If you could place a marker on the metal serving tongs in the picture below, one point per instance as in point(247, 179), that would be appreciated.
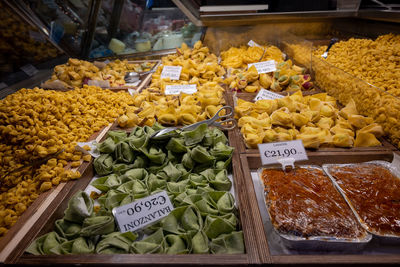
point(34, 164)
point(131, 77)
point(331, 43)
point(228, 123)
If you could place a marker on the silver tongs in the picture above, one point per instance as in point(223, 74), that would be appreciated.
point(227, 123)
point(131, 77)
point(331, 43)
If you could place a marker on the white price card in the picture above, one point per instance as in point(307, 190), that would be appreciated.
point(266, 94)
point(132, 92)
point(3, 85)
point(264, 66)
point(142, 212)
point(29, 69)
point(172, 72)
point(252, 43)
point(177, 89)
point(106, 61)
point(93, 148)
point(271, 153)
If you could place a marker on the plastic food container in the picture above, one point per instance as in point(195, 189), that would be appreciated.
point(378, 183)
point(318, 188)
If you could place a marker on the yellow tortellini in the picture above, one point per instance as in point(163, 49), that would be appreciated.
point(35, 123)
point(314, 119)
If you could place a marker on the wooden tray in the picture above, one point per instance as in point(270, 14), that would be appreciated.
point(251, 162)
point(46, 224)
point(33, 217)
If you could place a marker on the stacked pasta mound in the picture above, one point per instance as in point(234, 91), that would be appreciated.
point(77, 72)
point(239, 57)
point(314, 119)
point(35, 123)
point(287, 77)
point(199, 67)
point(375, 61)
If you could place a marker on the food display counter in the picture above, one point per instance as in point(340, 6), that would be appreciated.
point(190, 157)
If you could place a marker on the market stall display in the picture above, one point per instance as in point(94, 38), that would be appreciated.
point(36, 124)
point(190, 167)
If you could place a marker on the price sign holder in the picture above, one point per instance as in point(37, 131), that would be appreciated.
point(142, 212)
point(266, 94)
point(172, 72)
point(264, 66)
point(283, 153)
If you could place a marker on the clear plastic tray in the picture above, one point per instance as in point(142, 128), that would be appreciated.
point(386, 238)
point(326, 243)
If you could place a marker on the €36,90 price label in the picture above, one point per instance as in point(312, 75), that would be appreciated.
point(266, 94)
point(264, 66)
point(271, 152)
point(172, 72)
point(177, 89)
point(142, 212)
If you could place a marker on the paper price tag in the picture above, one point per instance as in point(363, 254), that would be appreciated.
point(177, 89)
point(264, 66)
point(172, 72)
point(271, 153)
point(266, 94)
point(142, 212)
point(132, 92)
point(29, 69)
point(93, 148)
point(252, 43)
point(106, 61)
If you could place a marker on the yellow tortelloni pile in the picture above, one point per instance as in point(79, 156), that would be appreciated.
point(238, 58)
point(372, 61)
point(76, 71)
point(314, 119)
point(199, 66)
point(287, 77)
point(171, 110)
point(35, 123)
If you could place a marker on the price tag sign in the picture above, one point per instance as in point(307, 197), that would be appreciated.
point(266, 94)
point(132, 92)
point(252, 44)
point(3, 85)
point(94, 152)
point(271, 153)
point(177, 89)
point(144, 211)
point(106, 61)
point(172, 72)
point(264, 66)
point(29, 69)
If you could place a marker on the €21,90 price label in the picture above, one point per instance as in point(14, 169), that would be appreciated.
point(142, 212)
point(266, 94)
point(183, 88)
point(271, 152)
point(172, 72)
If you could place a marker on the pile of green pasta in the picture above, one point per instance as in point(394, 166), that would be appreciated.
point(191, 166)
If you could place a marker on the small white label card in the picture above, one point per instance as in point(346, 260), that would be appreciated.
point(172, 72)
point(142, 212)
point(264, 66)
point(29, 69)
point(252, 43)
point(93, 148)
point(183, 88)
point(3, 85)
point(106, 61)
point(266, 94)
point(271, 153)
point(132, 92)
